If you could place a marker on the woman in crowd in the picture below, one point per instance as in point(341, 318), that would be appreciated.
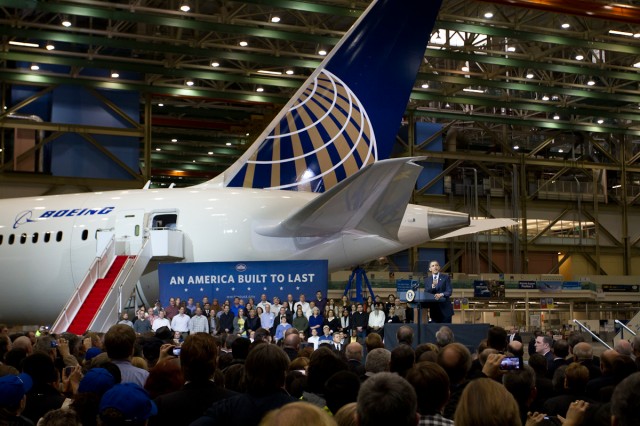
point(239, 324)
point(282, 328)
point(392, 317)
point(345, 322)
point(332, 321)
point(316, 320)
point(300, 322)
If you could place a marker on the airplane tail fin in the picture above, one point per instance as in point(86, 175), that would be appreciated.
point(346, 115)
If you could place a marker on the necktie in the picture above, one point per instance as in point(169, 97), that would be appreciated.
point(435, 281)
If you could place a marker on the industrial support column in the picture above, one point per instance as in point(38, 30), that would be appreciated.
point(147, 137)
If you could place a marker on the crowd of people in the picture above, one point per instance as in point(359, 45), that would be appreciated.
point(136, 376)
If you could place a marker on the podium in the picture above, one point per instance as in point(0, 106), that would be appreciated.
point(415, 297)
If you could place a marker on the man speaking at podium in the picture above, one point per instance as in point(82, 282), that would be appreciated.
point(440, 286)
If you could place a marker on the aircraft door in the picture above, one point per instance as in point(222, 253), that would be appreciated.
point(129, 231)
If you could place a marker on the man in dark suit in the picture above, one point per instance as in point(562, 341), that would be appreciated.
point(514, 335)
point(440, 286)
point(543, 347)
point(198, 360)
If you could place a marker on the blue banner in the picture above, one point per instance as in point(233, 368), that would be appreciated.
point(226, 280)
point(549, 286)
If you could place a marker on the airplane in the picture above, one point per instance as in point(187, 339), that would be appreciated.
point(316, 184)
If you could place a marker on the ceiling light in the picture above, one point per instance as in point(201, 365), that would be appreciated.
point(616, 186)
point(65, 22)
point(190, 83)
point(210, 152)
point(322, 52)
point(289, 72)
point(247, 134)
point(268, 72)
point(488, 15)
point(260, 89)
point(193, 161)
point(545, 97)
point(561, 150)
point(636, 35)
point(35, 67)
point(215, 64)
point(467, 89)
point(579, 57)
point(174, 140)
point(243, 43)
point(228, 144)
point(516, 147)
point(185, 6)
point(275, 19)
point(160, 104)
point(556, 117)
point(425, 85)
point(621, 33)
point(50, 46)
point(115, 74)
point(23, 44)
point(565, 25)
point(636, 65)
point(591, 83)
point(158, 149)
point(529, 74)
point(465, 68)
point(511, 48)
point(600, 121)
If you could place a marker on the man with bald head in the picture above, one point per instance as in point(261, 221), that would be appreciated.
point(24, 343)
point(607, 378)
point(291, 344)
point(353, 352)
point(583, 353)
point(623, 347)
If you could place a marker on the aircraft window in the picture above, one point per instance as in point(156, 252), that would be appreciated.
point(47, 237)
point(34, 238)
point(85, 234)
point(23, 238)
point(137, 231)
point(59, 236)
point(1, 237)
point(12, 238)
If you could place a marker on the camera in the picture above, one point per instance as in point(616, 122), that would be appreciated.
point(510, 363)
point(54, 344)
point(68, 371)
point(176, 351)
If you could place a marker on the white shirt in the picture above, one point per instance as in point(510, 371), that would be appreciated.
point(305, 308)
point(180, 323)
point(161, 322)
point(376, 318)
point(314, 340)
point(262, 305)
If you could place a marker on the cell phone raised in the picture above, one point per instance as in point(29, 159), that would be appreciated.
point(176, 351)
point(68, 371)
point(510, 363)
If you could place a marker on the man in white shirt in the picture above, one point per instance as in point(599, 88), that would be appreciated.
point(181, 323)
point(160, 321)
point(198, 323)
point(376, 319)
point(304, 304)
point(263, 303)
point(275, 306)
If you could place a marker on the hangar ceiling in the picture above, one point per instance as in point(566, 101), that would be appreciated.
point(509, 77)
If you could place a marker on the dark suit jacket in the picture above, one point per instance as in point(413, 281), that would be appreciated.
point(188, 404)
point(440, 311)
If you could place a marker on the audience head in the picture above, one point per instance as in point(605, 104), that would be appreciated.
point(377, 361)
point(561, 348)
point(623, 347)
point(265, 369)
point(346, 416)
point(126, 404)
point(13, 391)
point(484, 402)
point(583, 351)
point(516, 348)
point(497, 338)
point(119, 342)
point(341, 389)
point(373, 341)
point(402, 359)
point(455, 359)
point(431, 384)
point(354, 351)
point(444, 336)
point(323, 363)
point(291, 415)
point(576, 377)
point(387, 398)
point(625, 402)
point(404, 335)
point(97, 380)
point(522, 385)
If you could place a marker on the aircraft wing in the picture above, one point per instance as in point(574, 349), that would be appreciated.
point(373, 201)
point(479, 225)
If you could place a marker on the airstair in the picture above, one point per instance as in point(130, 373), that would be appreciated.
point(113, 276)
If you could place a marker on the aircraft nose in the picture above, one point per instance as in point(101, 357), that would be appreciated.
point(440, 222)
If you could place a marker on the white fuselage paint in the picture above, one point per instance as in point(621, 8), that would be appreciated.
point(218, 224)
